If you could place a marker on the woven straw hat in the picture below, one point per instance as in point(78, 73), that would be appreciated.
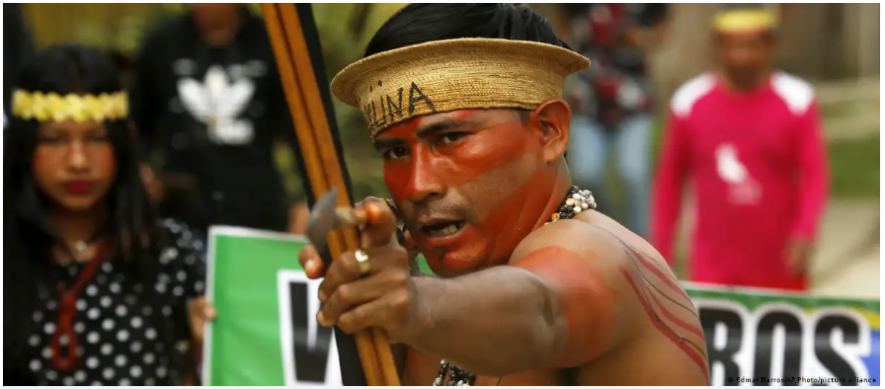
point(447, 75)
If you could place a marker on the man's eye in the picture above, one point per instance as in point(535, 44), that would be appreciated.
point(395, 153)
point(451, 137)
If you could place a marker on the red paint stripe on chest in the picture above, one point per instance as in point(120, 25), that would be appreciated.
point(670, 316)
point(647, 263)
point(688, 349)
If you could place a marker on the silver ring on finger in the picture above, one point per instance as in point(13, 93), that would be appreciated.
point(362, 259)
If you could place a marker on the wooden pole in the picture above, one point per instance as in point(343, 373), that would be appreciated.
point(321, 160)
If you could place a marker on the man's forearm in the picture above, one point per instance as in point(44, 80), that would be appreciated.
point(493, 322)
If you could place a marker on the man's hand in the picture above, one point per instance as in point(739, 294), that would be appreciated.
point(406, 240)
point(199, 312)
point(798, 251)
point(384, 296)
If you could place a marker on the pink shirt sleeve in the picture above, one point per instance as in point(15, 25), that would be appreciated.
point(667, 192)
point(813, 174)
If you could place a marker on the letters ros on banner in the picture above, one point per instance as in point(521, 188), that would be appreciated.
point(754, 335)
point(266, 332)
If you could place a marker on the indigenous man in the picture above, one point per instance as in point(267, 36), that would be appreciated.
point(464, 104)
point(749, 139)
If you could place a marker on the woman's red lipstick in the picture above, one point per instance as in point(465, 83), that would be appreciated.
point(78, 187)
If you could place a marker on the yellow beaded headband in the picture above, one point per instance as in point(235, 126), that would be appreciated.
point(741, 20)
point(449, 75)
point(80, 108)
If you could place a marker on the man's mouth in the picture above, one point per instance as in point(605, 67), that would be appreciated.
point(442, 229)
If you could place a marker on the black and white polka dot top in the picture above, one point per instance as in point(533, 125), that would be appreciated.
point(120, 337)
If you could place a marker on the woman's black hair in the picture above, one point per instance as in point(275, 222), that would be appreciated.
point(421, 23)
point(29, 233)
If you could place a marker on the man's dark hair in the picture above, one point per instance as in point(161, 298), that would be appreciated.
point(421, 23)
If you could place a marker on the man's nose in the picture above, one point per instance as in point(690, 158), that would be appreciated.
point(426, 182)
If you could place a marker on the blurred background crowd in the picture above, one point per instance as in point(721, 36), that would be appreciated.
point(176, 59)
point(217, 144)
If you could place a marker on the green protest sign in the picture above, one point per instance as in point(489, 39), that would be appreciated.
point(266, 332)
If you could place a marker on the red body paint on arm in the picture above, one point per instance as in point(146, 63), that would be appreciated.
point(585, 301)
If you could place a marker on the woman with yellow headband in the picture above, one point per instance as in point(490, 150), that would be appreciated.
point(98, 287)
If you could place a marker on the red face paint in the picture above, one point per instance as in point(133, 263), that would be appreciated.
point(488, 171)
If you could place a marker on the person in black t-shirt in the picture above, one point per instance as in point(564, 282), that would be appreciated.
point(208, 98)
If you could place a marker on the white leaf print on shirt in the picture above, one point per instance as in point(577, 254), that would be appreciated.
point(743, 189)
point(729, 167)
point(217, 103)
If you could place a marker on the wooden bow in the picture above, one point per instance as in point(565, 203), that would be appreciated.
point(298, 53)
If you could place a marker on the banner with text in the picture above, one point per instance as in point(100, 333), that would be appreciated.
point(753, 336)
point(266, 333)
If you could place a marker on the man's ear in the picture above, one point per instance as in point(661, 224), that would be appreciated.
point(552, 118)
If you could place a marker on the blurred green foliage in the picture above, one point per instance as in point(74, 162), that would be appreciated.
point(854, 167)
point(345, 30)
point(125, 34)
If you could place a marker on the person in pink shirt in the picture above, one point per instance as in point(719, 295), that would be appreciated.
point(748, 140)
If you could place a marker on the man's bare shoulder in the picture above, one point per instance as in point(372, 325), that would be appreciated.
point(651, 306)
point(590, 233)
point(584, 264)
point(624, 236)
point(574, 235)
